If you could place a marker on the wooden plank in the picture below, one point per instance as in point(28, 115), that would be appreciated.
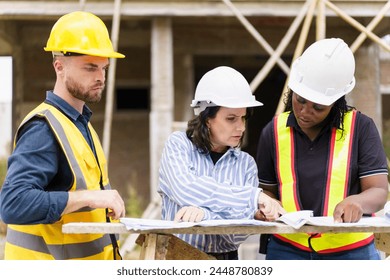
point(170, 247)
point(148, 251)
point(177, 249)
point(382, 242)
point(94, 228)
point(3, 228)
point(278, 228)
point(43, 9)
point(161, 244)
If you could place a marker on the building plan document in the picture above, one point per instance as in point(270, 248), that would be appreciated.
point(147, 224)
point(293, 219)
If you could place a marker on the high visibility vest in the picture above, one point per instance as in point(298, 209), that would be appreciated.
point(46, 241)
point(338, 173)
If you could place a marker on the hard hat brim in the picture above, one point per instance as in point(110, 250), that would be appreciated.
point(247, 104)
point(200, 106)
point(318, 98)
point(99, 53)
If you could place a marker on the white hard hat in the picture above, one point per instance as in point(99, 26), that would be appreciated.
point(324, 72)
point(223, 86)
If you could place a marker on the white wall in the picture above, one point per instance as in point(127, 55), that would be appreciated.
point(5, 105)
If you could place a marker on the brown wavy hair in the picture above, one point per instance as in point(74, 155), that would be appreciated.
point(198, 131)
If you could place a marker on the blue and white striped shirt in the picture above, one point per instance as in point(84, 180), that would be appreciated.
point(226, 190)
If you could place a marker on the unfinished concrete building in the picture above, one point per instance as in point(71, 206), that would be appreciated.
point(169, 45)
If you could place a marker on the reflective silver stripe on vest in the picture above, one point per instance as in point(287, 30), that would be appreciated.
point(79, 175)
point(59, 252)
point(80, 181)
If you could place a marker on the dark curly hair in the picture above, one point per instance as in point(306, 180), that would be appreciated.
point(198, 131)
point(336, 115)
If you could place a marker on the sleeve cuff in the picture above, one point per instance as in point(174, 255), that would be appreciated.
point(255, 204)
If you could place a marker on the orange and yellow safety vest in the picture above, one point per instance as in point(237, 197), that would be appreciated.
point(338, 171)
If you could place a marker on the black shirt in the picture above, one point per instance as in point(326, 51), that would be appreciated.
point(368, 158)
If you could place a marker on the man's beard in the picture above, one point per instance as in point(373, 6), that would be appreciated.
point(79, 92)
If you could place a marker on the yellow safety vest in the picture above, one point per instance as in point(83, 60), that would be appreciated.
point(46, 241)
point(336, 185)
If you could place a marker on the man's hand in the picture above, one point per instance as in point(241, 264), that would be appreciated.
point(97, 199)
point(269, 207)
point(189, 214)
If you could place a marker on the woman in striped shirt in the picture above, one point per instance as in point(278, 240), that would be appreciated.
point(203, 173)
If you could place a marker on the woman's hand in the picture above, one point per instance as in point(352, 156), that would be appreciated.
point(269, 208)
point(189, 214)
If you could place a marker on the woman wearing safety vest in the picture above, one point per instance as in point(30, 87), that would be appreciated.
point(57, 172)
point(323, 155)
point(204, 175)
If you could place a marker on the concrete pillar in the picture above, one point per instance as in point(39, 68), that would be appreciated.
point(7, 72)
point(5, 106)
point(184, 87)
point(366, 96)
point(18, 111)
point(162, 95)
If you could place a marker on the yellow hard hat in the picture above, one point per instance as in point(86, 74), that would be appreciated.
point(81, 33)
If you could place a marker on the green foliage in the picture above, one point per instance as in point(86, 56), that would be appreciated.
point(3, 170)
point(386, 141)
point(134, 204)
point(386, 136)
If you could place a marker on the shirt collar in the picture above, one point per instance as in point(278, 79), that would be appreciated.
point(291, 121)
point(67, 109)
point(234, 151)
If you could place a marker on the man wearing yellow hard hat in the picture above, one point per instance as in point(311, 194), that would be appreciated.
point(57, 172)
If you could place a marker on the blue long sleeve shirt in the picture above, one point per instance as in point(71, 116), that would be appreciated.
point(35, 190)
point(227, 189)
